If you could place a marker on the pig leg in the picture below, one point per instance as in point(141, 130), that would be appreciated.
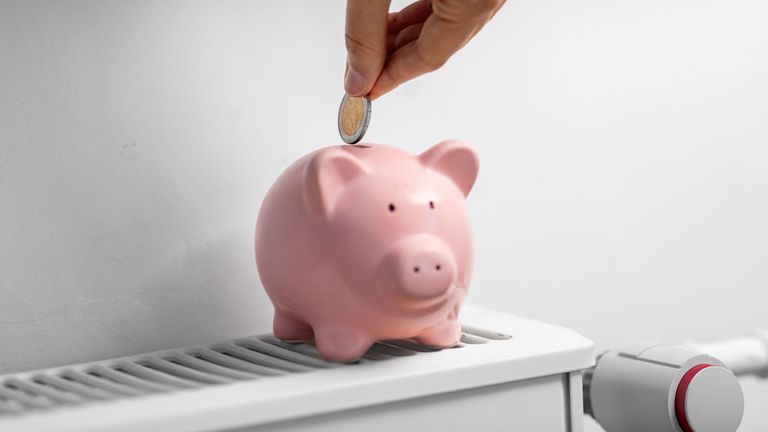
point(445, 334)
point(342, 345)
point(288, 328)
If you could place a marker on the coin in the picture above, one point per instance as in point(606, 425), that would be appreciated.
point(354, 115)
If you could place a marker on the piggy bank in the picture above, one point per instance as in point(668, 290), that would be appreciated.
point(356, 244)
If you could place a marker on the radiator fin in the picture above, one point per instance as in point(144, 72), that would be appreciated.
point(250, 358)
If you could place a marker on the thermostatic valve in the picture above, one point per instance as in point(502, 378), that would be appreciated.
point(650, 387)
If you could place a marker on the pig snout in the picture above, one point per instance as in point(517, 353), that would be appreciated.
point(424, 267)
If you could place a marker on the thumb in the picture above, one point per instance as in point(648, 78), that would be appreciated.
point(366, 41)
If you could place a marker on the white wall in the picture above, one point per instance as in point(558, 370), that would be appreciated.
point(623, 189)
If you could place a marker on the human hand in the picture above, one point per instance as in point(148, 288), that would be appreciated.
point(385, 49)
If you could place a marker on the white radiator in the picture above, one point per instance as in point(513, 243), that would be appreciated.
point(509, 373)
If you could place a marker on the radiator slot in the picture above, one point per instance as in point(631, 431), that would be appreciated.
point(235, 363)
point(198, 363)
point(73, 387)
point(260, 358)
point(156, 376)
point(282, 353)
point(250, 358)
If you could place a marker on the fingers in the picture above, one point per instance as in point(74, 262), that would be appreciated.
point(366, 41)
point(451, 24)
point(385, 49)
point(414, 13)
point(406, 35)
point(404, 26)
point(404, 64)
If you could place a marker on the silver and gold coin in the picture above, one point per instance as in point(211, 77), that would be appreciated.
point(354, 115)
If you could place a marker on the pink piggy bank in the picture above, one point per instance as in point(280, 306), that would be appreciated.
point(356, 244)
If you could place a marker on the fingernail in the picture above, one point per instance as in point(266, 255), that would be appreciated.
point(354, 83)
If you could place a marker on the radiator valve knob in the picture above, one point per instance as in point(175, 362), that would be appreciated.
point(651, 387)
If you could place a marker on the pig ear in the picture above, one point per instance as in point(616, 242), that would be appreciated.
point(456, 160)
point(326, 175)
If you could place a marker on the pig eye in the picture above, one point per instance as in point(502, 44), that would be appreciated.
point(391, 207)
point(432, 205)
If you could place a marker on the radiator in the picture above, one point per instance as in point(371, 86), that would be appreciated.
point(508, 373)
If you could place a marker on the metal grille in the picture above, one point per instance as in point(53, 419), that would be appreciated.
point(253, 358)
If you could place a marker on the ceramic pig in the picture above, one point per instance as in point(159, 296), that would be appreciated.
point(361, 243)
